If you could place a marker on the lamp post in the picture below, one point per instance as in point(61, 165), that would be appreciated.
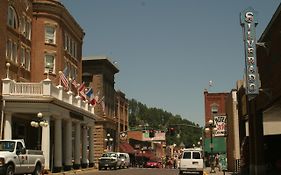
point(39, 123)
point(109, 141)
point(211, 127)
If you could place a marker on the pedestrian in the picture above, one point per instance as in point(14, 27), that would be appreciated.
point(175, 162)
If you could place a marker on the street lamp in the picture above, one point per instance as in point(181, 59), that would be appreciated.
point(40, 122)
point(211, 127)
point(109, 141)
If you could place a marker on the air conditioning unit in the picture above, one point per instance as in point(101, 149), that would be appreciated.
point(50, 41)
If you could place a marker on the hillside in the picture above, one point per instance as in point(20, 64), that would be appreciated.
point(178, 130)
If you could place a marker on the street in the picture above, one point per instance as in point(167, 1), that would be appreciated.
point(137, 171)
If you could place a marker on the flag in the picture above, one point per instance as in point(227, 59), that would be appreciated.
point(74, 83)
point(63, 78)
point(81, 91)
point(91, 97)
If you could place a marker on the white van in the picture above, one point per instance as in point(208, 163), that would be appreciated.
point(125, 160)
point(191, 161)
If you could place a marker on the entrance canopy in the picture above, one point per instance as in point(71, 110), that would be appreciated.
point(219, 145)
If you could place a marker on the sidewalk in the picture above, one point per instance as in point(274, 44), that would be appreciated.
point(207, 171)
point(78, 171)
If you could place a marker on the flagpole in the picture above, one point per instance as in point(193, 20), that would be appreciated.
point(60, 72)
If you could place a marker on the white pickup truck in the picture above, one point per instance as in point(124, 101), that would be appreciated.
point(16, 159)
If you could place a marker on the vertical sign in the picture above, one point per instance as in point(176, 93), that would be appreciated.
point(248, 22)
point(220, 125)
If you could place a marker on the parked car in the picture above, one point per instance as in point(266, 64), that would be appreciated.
point(152, 164)
point(125, 160)
point(16, 159)
point(109, 160)
point(191, 161)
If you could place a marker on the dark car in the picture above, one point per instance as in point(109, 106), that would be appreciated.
point(152, 164)
point(109, 160)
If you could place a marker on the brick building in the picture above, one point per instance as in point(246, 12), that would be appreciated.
point(215, 111)
point(39, 39)
point(98, 73)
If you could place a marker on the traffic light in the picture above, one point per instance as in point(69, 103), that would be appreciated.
point(172, 131)
point(151, 133)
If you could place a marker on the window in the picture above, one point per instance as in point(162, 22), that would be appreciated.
point(9, 49)
point(214, 109)
point(27, 59)
point(70, 45)
point(196, 155)
point(49, 62)
point(186, 155)
point(25, 27)
point(49, 34)
point(12, 18)
point(22, 56)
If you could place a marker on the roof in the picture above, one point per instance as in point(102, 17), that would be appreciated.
point(103, 59)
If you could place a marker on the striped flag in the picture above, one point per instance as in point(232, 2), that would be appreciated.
point(74, 83)
point(81, 91)
point(63, 78)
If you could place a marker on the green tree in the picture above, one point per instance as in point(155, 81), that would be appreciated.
point(186, 132)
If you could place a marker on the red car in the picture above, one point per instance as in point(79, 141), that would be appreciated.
point(152, 164)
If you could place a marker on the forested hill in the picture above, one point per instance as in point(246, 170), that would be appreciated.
point(184, 131)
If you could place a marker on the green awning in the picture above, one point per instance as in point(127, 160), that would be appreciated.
point(219, 144)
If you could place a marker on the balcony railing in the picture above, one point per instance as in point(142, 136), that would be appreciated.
point(43, 89)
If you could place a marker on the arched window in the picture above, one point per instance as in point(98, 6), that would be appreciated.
point(214, 108)
point(12, 18)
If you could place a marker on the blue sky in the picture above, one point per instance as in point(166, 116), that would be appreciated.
point(167, 51)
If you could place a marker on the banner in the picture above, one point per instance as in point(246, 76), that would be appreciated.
point(220, 125)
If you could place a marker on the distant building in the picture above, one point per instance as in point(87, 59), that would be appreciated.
point(215, 111)
point(112, 105)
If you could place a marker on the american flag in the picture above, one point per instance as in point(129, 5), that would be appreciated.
point(63, 78)
point(75, 84)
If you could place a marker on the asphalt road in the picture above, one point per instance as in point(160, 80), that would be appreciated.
point(130, 171)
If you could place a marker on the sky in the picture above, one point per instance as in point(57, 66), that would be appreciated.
point(167, 51)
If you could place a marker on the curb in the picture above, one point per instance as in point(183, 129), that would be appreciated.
point(73, 172)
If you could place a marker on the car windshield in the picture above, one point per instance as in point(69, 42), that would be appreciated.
point(7, 146)
point(109, 155)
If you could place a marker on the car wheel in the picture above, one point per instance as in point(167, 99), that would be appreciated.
point(10, 170)
point(37, 170)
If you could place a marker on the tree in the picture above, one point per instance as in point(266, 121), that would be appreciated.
point(158, 119)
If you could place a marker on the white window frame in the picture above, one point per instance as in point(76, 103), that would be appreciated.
point(27, 59)
point(52, 63)
point(50, 37)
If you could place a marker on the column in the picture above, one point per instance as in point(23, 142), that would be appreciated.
point(84, 147)
point(68, 145)
point(8, 126)
point(77, 146)
point(45, 143)
point(58, 146)
point(91, 146)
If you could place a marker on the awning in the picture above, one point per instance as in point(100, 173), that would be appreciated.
point(126, 148)
point(219, 145)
